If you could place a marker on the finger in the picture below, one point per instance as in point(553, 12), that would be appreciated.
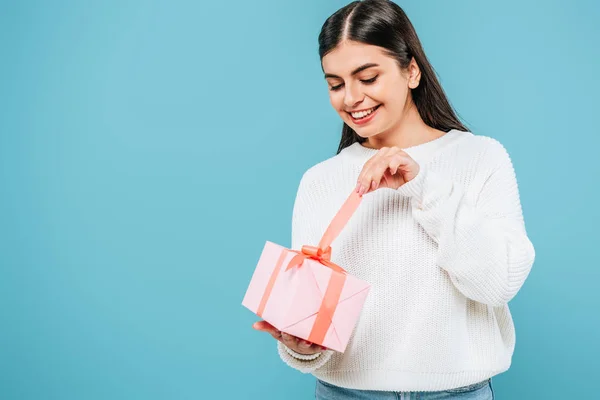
point(373, 170)
point(307, 347)
point(289, 340)
point(396, 161)
point(270, 329)
point(372, 178)
point(266, 327)
point(392, 165)
point(361, 181)
point(364, 184)
point(305, 344)
point(277, 336)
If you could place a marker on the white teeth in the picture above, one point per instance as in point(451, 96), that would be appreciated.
point(362, 114)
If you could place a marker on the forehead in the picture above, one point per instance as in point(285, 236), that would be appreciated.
point(349, 55)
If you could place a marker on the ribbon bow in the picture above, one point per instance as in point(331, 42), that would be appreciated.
point(322, 252)
point(315, 253)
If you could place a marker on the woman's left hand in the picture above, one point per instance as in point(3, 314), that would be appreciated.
point(390, 167)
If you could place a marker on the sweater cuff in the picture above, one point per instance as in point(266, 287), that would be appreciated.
point(305, 357)
point(414, 187)
point(429, 192)
point(304, 366)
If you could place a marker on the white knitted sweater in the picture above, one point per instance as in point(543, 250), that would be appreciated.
point(444, 254)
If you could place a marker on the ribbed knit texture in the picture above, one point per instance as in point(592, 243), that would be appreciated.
point(444, 254)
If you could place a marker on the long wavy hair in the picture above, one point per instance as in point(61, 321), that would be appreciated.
point(383, 23)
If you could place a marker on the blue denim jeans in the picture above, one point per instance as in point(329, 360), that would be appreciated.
point(477, 391)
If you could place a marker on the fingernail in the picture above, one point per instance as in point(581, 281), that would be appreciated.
point(374, 185)
point(357, 187)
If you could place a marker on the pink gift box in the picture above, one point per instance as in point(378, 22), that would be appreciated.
point(306, 295)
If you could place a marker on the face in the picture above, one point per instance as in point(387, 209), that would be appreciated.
point(367, 88)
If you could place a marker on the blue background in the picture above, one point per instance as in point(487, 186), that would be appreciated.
point(148, 150)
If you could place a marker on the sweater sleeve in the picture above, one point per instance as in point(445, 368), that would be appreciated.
point(482, 243)
point(303, 232)
point(304, 366)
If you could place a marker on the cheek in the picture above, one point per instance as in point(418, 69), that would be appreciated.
point(393, 96)
point(379, 93)
point(337, 100)
point(384, 93)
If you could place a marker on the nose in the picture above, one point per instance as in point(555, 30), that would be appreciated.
point(352, 96)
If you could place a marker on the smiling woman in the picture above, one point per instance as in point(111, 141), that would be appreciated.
point(444, 246)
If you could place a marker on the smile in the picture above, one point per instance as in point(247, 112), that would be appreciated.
point(363, 116)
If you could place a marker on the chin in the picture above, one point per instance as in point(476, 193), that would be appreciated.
point(364, 132)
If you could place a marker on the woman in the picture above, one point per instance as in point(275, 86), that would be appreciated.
point(439, 233)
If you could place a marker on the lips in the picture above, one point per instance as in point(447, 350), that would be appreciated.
point(364, 116)
point(362, 113)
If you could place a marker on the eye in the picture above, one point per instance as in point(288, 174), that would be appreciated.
point(369, 81)
point(337, 87)
point(365, 81)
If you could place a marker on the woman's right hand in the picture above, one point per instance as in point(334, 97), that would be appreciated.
point(294, 343)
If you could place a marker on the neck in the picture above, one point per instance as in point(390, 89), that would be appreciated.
point(410, 131)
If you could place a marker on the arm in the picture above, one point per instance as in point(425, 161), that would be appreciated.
point(482, 244)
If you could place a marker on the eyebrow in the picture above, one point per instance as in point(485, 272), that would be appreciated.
point(356, 71)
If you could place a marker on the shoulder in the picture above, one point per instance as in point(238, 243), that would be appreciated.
point(485, 150)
